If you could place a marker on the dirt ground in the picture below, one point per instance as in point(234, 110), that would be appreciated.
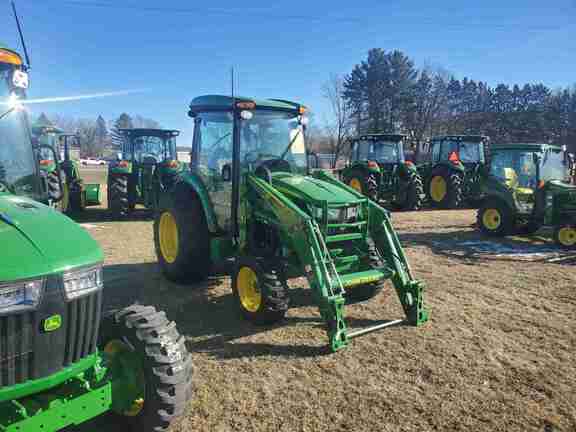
point(497, 354)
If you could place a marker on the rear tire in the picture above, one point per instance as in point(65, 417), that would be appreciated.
point(77, 196)
point(164, 364)
point(495, 219)
point(260, 291)
point(118, 196)
point(528, 228)
point(182, 240)
point(366, 184)
point(415, 191)
point(445, 189)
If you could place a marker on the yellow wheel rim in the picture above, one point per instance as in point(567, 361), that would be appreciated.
point(567, 236)
point(123, 359)
point(492, 219)
point(168, 237)
point(438, 188)
point(248, 291)
point(355, 184)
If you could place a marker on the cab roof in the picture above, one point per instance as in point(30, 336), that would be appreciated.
point(460, 138)
point(525, 146)
point(149, 132)
point(224, 103)
point(381, 136)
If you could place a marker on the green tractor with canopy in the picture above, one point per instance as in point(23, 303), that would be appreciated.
point(147, 166)
point(377, 169)
point(452, 176)
point(76, 195)
point(528, 186)
point(61, 361)
point(248, 197)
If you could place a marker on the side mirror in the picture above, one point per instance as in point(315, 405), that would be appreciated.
point(227, 173)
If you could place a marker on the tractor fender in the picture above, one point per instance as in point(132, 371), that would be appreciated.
point(407, 168)
point(191, 186)
point(116, 169)
point(450, 166)
point(504, 200)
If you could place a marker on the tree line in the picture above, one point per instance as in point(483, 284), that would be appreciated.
point(387, 93)
point(97, 136)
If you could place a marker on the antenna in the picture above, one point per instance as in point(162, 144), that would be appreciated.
point(232, 81)
point(21, 35)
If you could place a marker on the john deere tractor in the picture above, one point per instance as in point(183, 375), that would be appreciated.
point(62, 172)
point(62, 362)
point(526, 187)
point(452, 177)
point(248, 197)
point(147, 167)
point(378, 170)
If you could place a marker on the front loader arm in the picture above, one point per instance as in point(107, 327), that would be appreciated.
point(409, 290)
point(308, 243)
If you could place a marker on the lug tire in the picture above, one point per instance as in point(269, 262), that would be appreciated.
point(272, 287)
point(118, 196)
point(192, 261)
point(165, 361)
point(506, 225)
point(368, 182)
point(415, 192)
point(528, 228)
point(77, 196)
point(454, 190)
point(557, 231)
point(362, 293)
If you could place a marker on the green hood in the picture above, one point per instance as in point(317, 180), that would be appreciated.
point(312, 190)
point(37, 240)
point(558, 186)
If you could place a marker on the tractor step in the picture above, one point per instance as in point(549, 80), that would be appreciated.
point(365, 277)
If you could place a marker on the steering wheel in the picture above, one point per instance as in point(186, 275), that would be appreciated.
point(273, 163)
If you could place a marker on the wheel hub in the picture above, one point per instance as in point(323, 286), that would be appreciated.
point(168, 236)
point(438, 188)
point(492, 219)
point(248, 290)
point(355, 184)
point(567, 236)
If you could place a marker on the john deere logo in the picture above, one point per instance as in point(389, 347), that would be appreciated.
point(52, 323)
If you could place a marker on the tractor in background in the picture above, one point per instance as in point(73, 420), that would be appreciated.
point(249, 197)
point(377, 169)
point(61, 361)
point(147, 167)
point(61, 171)
point(452, 176)
point(528, 186)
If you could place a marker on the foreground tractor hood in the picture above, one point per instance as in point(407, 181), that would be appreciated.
point(558, 186)
point(311, 189)
point(36, 240)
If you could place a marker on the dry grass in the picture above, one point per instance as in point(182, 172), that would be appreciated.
point(497, 354)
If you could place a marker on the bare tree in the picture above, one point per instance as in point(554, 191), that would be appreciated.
point(339, 127)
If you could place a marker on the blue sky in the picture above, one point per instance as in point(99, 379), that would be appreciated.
point(179, 49)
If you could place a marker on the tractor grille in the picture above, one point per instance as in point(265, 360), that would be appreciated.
point(28, 353)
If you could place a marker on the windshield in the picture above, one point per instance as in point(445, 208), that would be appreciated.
point(153, 147)
point(51, 140)
point(471, 152)
point(515, 168)
point(553, 166)
point(386, 152)
point(273, 135)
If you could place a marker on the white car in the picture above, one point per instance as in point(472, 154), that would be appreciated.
point(92, 162)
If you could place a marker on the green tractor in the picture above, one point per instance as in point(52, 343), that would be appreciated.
point(249, 197)
point(452, 176)
point(147, 167)
point(526, 187)
point(377, 169)
point(61, 172)
point(61, 361)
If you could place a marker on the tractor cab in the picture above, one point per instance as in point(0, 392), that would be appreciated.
point(269, 138)
point(385, 149)
point(19, 172)
point(46, 139)
point(147, 166)
point(467, 150)
point(527, 186)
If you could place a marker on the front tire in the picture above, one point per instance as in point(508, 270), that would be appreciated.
point(495, 219)
point(182, 241)
point(260, 291)
point(565, 236)
point(118, 196)
point(362, 293)
point(146, 350)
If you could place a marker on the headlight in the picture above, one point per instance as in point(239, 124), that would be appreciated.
point(20, 79)
point(549, 200)
point(18, 294)
point(342, 215)
point(78, 283)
